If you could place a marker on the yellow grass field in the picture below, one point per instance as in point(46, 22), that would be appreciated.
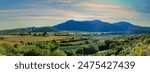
point(32, 39)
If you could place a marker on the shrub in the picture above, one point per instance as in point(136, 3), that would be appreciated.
point(70, 52)
point(58, 53)
point(90, 49)
point(80, 51)
point(38, 52)
point(16, 45)
point(9, 50)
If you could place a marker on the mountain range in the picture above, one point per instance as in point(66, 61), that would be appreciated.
point(88, 26)
point(93, 26)
point(100, 26)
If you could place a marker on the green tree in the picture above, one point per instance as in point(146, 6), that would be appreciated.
point(90, 49)
point(70, 52)
point(80, 51)
point(44, 34)
point(38, 52)
point(58, 53)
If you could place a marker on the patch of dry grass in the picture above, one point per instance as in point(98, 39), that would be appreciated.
point(27, 39)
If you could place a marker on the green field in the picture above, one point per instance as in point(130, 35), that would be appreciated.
point(65, 48)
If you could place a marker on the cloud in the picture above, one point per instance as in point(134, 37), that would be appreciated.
point(64, 1)
point(55, 1)
point(79, 11)
point(15, 11)
point(56, 14)
point(51, 12)
point(108, 9)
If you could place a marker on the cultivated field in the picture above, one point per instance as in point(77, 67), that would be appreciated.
point(32, 39)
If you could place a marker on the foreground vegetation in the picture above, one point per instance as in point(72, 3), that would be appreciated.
point(133, 45)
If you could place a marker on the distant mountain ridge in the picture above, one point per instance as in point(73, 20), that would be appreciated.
point(99, 26)
point(89, 26)
point(93, 26)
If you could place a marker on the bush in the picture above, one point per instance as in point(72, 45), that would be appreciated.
point(9, 50)
point(80, 51)
point(58, 53)
point(1, 38)
point(44, 34)
point(108, 44)
point(38, 52)
point(88, 50)
point(70, 52)
point(16, 45)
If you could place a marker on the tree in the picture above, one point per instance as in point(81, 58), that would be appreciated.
point(86, 50)
point(80, 51)
point(70, 52)
point(44, 34)
point(38, 52)
point(29, 33)
point(16, 45)
point(106, 45)
point(58, 53)
point(90, 49)
point(13, 50)
point(34, 34)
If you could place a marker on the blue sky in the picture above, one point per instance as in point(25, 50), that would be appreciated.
point(28, 13)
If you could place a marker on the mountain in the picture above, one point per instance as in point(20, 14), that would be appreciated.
point(99, 26)
point(44, 29)
point(12, 30)
point(87, 26)
point(93, 26)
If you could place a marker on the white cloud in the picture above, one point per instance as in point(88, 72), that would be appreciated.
point(56, 1)
point(65, 1)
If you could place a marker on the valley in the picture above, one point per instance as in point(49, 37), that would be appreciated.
point(67, 43)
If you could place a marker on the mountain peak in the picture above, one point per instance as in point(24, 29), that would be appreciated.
point(70, 20)
point(97, 20)
point(84, 21)
point(124, 24)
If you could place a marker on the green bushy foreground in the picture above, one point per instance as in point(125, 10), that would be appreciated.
point(133, 45)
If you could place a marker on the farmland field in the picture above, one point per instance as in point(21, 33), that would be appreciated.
point(74, 28)
point(96, 45)
point(32, 39)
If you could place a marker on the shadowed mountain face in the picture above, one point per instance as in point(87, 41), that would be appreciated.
point(93, 26)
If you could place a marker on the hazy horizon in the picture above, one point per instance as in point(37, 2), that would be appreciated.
point(39, 13)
